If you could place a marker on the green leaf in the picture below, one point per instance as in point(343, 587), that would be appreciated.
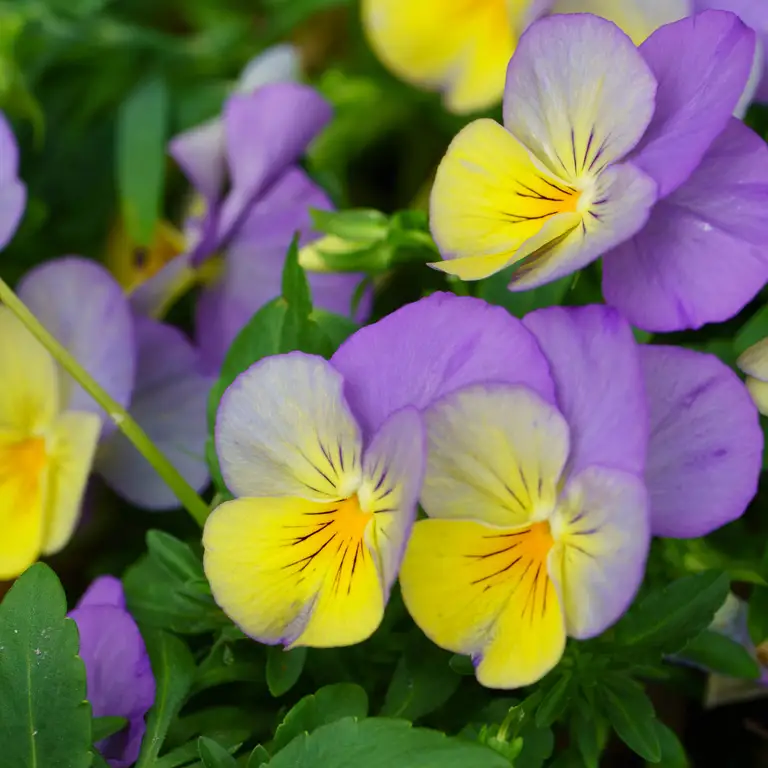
point(295, 286)
point(188, 754)
point(329, 704)
point(672, 751)
point(174, 670)
point(666, 620)
point(555, 701)
point(258, 757)
point(99, 761)
point(383, 743)
point(423, 681)
point(631, 714)
point(336, 328)
point(758, 615)
point(174, 556)
point(142, 125)
point(719, 653)
point(45, 721)
point(284, 668)
point(462, 665)
point(214, 755)
point(494, 290)
point(231, 663)
point(586, 733)
point(754, 330)
point(107, 726)
point(357, 224)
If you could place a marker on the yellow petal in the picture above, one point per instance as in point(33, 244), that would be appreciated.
point(22, 490)
point(72, 445)
point(485, 591)
point(133, 264)
point(29, 392)
point(295, 572)
point(491, 197)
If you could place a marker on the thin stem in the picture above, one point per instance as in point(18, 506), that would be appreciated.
point(124, 421)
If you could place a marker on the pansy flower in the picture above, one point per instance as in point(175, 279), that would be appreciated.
point(555, 448)
point(649, 170)
point(251, 197)
point(457, 47)
point(13, 193)
point(308, 551)
point(119, 675)
point(147, 367)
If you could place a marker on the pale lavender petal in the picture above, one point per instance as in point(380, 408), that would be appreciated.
point(83, 306)
point(252, 274)
point(119, 676)
point(702, 64)
point(603, 534)
point(277, 64)
point(106, 590)
point(706, 445)
point(393, 471)
point(266, 132)
point(552, 103)
point(153, 295)
point(201, 153)
point(753, 14)
point(704, 253)
point(169, 403)
point(432, 347)
point(594, 361)
point(13, 194)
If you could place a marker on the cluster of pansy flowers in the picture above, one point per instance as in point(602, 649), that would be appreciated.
point(545, 454)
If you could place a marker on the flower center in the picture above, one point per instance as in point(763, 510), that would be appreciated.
point(350, 520)
point(22, 463)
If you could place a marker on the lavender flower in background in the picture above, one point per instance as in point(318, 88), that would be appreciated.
point(147, 367)
point(251, 197)
point(119, 675)
point(13, 193)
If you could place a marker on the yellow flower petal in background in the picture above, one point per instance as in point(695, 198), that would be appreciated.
point(71, 447)
point(485, 591)
point(458, 47)
point(754, 362)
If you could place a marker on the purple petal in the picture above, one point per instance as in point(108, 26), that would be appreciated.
point(266, 132)
point(13, 194)
point(432, 347)
point(594, 361)
point(702, 64)
point(169, 403)
point(254, 263)
point(393, 471)
point(754, 15)
point(706, 444)
point(120, 679)
point(83, 306)
point(704, 253)
point(106, 590)
point(200, 153)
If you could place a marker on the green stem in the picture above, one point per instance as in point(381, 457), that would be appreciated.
point(183, 490)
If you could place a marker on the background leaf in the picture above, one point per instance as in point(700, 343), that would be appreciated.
point(45, 721)
point(284, 668)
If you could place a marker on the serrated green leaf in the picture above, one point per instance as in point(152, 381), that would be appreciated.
point(719, 653)
point(631, 714)
point(107, 726)
point(555, 701)
point(329, 704)
point(45, 721)
point(174, 670)
point(382, 743)
point(142, 126)
point(214, 755)
point(666, 620)
point(284, 668)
